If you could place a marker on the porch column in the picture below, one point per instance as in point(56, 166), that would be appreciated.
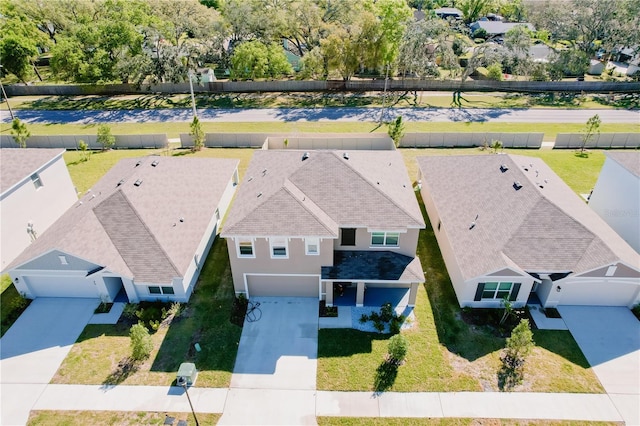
point(360, 294)
point(328, 286)
point(413, 293)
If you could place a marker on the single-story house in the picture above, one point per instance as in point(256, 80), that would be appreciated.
point(449, 12)
point(497, 28)
point(307, 223)
point(616, 196)
point(144, 229)
point(35, 190)
point(509, 227)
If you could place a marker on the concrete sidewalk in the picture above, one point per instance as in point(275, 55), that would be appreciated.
point(516, 405)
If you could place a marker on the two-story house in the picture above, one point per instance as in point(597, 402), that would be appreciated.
point(304, 223)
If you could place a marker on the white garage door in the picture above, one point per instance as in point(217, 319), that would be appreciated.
point(283, 285)
point(598, 293)
point(61, 287)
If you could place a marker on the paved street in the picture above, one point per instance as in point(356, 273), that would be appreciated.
point(326, 114)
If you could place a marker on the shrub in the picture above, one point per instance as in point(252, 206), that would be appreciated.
point(386, 312)
point(494, 72)
point(519, 346)
point(480, 33)
point(129, 311)
point(398, 347)
point(20, 132)
point(105, 138)
point(364, 318)
point(141, 343)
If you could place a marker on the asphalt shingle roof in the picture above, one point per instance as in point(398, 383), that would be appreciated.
point(149, 231)
point(373, 265)
point(630, 160)
point(282, 194)
point(543, 226)
point(19, 163)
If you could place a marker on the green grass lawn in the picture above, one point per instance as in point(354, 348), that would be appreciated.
point(97, 355)
point(108, 418)
point(445, 354)
point(394, 421)
point(12, 304)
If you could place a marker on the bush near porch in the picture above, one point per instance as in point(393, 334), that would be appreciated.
point(445, 353)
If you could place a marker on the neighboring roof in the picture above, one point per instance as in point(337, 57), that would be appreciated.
point(498, 27)
point(449, 11)
point(281, 194)
point(16, 164)
point(373, 265)
point(630, 160)
point(136, 230)
point(541, 227)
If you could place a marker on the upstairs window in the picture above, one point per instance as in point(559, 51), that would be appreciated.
point(245, 248)
point(37, 182)
point(278, 248)
point(312, 246)
point(348, 237)
point(385, 239)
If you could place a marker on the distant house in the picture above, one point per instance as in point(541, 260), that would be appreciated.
point(35, 190)
point(449, 12)
point(308, 223)
point(509, 227)
point(205, 75)
point(616, 196)
point(497, 28)
point(596, 67)
point(144, 230)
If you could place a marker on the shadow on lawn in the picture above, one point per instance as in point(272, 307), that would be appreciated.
point(345, 342)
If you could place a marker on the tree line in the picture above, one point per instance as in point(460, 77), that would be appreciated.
point(151, 41)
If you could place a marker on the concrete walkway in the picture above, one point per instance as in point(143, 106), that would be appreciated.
point(264, 406)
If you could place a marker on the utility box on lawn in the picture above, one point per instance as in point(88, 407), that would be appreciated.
point(187, 374)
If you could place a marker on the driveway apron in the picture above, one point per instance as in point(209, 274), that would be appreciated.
point(274, 378)
point(609, 337)
point(34, 347)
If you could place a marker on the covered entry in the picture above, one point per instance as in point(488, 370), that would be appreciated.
point(61, 286)
point(262, 285)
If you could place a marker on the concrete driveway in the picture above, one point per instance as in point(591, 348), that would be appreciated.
point(34, 347)
point(610, 340)
point(276, 365)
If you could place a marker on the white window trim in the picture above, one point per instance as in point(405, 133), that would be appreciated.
point(279, 242)
point(253, 248)
point(495, 292)
point(314, 241)
point(371, 245)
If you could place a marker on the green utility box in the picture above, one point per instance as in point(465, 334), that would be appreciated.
point(187, 374)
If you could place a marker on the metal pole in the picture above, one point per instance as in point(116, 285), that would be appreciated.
point(193, 99)
point(6, 99)
point(184, 385)
point(384, 93)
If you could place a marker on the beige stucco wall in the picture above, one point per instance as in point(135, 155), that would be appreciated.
point(407, 243)
point(42, 207)
point(297, 262)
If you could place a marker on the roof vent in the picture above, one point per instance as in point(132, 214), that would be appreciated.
point(250, 179)
point(517, 185)
point(504, 168)
point(345, 155)
point(305, 156)
point(259, 194)
point(138, 163)
point(182, 219)
point(264, 172)
point(155, 163)
point(473, 224)
point(138, 182)
point(120, 183)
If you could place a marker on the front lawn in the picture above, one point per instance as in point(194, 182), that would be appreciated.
point(100, 355)
point(120, 418)
point(445, 353)
point(12, 304)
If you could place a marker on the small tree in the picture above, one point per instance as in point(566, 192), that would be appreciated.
point(508, 309)
point(518, 347)
point(494, 72)
point(105, 138)
point(20, 132)
point(82, 145)
point(496, 145)
point(141, 343)
point(197, 134)
point(592, 127)
point(396, 130)
point(398, 347)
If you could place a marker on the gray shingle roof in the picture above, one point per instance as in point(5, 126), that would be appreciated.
point(352, 265)
point(542, 227)
point(19, 163)
point(283, 195)
point(630, 160)
point(134, 230)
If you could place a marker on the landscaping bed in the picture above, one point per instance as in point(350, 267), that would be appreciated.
point(12, 304)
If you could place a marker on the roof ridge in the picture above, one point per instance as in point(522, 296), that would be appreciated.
point(337, 157)
point(286, 186)
point(144, 225)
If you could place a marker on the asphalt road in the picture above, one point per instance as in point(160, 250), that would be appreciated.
point(326, 114)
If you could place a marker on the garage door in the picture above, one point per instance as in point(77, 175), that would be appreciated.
point(598, 293)
point(61, 287)
point(283, 285)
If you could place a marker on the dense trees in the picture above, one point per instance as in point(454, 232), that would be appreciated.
point(148, 41)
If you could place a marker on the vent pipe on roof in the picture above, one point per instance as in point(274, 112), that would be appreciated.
point(138, 163)
point(155, 163)
point(504, 168)
point(120, 183)
point(138, 182)
point(345, 155)
point(305, 156)
point(517, 185)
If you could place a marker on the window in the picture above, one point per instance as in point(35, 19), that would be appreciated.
point(153, 289)
point(498, 290)
point(385, 239)
point(245, 248)
point(37, 182)
point(278, 248)
point(348, 237)
point(312, 246)
point(167, 290)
